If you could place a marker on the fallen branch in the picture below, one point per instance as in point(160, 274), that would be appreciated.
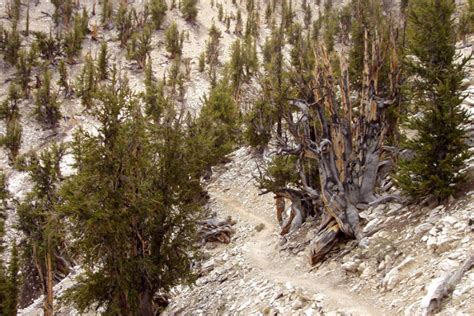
point(216, 230)
point(442, 287)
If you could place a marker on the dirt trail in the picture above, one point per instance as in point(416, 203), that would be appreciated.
point(261, 253)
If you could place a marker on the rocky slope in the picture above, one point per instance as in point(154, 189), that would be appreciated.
point(410, 250)
point(260, 272)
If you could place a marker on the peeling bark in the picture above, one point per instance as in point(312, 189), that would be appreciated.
point(347, 144)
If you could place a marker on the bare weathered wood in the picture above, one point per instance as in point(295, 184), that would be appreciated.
point(343, 130)
point(442, 287)
point(216, 230)
point(280, 208)
point(324, 241)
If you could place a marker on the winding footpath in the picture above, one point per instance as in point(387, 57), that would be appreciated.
point(262, 254)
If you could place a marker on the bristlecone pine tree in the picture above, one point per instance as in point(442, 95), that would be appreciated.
point(47, 108)
point(173, 40)
point(3, 273)
point(9, 278)
point(132, 205)
point(189, 9)
point(10, 111)
point(439, 146)
point(43, 244)
point(158, 12)
point(336, 130)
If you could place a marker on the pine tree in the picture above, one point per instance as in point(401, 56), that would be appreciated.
point(102, 62)
point(12, 45)
point(107, 11)
point(62, 11)
point(72, 41)
point(259, 124)
point(49, 47)
point(10, 304)
point(367, 16)
point(9, 111)
point(140, 46)
point(236, 66)
point(154, 96)
point(47, 108)
point(238, 24)
point(219, 123)
point(132, 206)
point(466, 21)
point(43, 244)
point(173, 40)
point(189, 9)
point(212, 49)
point(439, 146)
point(158, 12)
point(3, 217)
point(86, 83)
point(202, 61)
point(63, 80)
point(27, 60)
point(123, 22)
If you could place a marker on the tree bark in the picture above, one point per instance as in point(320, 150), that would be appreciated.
point(146, 303)
point(48, 303)
point(280, 208)
point(347, 146)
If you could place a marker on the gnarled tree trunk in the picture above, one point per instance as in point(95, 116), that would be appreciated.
point(345, 138)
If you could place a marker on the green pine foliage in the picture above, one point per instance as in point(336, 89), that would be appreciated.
point(123, 23)
point(202, 62)
point(132, 206)
point(49, 47)
point(140, 46)
point(9, 111)
point(86, 83)
point(72, 41)
point(189, 9)
point(63, 80)
point(154, 97)
point(173, 40)
point(3, 217)
point(103, 62)
point(212, 50)
point(158, 12)
point(367, 15)
point(466, 20)
point(10, 304)
point(11, 46)
point(280, 172)
point(9, 278)
point(47, 108)
point(259, 124)
point(27, 60)
point(243, 63)
point(63, 10)
point(43, 244)
point(439, 146)
point(12, 138)
point(219, 123)
point(106, 12)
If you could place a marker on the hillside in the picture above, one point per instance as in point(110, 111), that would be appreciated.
point(403, 250)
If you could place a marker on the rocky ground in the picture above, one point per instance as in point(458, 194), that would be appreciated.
point(260, 272)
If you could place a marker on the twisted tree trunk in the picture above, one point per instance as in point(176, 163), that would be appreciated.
point(345, 139)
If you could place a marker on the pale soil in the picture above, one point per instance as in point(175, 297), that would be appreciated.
point(260, 251)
